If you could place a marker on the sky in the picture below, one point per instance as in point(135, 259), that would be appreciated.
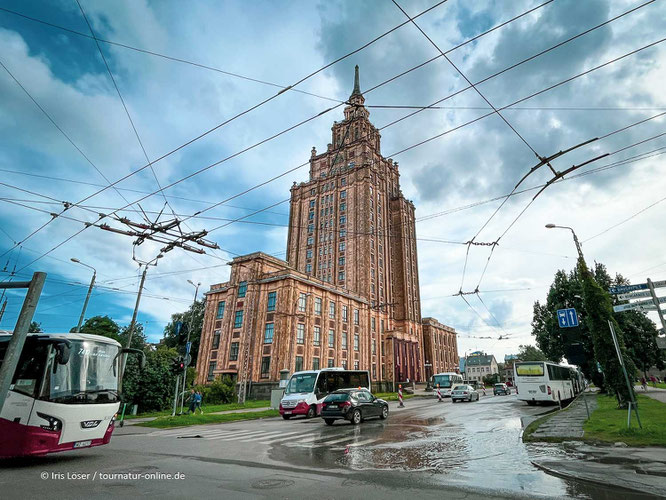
point(184, 69)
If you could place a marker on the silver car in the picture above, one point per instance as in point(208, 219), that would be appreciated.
point(464, 393)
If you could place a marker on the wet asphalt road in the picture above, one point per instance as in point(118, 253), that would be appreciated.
point(428, 449)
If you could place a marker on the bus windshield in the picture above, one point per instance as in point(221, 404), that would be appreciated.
point(445, 381)
point(89, 377)
point(301, 383)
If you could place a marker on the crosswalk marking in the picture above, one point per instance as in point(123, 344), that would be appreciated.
point(234, 437)
point(284, 437)
point(230, 434)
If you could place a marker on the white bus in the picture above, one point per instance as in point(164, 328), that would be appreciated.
point(63, 395)
point(546, 382)
point(446, 381)
point(306, 390)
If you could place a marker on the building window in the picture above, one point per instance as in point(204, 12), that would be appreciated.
point(268, 333)
point(211, 369)
point(344, 340)
point(382, 326)
point(302, 301)
point(343, 194)
point(356, 318)
point(374, 371)
point(310, 228)
point(343, 181)
point(342, 246)
point(341, 261)
point(318, 306)
point(272, 298)
point(317, 335)
point(331, 338)
point(343, 207)
point(220, 310)
point(341, 276)
point(373, 324)
point(344, 364)
point(315, 363)
point(308, 268)
point(356, 342)
point(265, 366)
point(343, 219)
point(298, 366)
point(374, 346)
point(242, 289)
point(330, 363)
point(312, 203)
point(308, 254)
point(345, 310)
point(310, 240)
point(216, 339)
point(331, 310)
point(355, 365)
point(300, 333)
point(238, 319)
point(233, 352)
point(311, 216)
point(343, 233)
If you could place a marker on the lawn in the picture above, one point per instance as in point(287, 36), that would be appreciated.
point(610, 424)
point(391, 396)
point(208, 408)
point(207, 418)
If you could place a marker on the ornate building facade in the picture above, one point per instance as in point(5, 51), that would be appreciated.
point(348, 294)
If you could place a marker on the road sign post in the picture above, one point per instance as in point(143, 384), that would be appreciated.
point(657, 301)
point(632, 401)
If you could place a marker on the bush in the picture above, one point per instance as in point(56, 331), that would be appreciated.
point(221, 391)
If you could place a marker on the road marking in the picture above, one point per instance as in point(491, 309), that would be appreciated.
point(237, 438)
point(359, 443)
point(229, 433)
point(284, 438)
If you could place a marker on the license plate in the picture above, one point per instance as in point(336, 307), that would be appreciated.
point(331, 406)
point(532, 392)
point(288, 412)
point(82, 444)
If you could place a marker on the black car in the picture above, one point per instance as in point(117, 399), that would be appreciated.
point(354, 405)
point(501, 389)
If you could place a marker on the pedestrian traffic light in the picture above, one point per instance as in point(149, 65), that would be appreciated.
point(177, 364)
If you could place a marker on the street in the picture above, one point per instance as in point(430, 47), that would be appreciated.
point(431, 449)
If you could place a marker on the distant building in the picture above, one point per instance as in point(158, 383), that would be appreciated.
point(440, 345)
point(479, 365)
point(506, 374)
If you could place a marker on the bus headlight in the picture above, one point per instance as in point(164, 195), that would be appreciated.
point(54, 423)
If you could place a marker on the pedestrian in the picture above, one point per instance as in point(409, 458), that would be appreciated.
point(644, 383)
point(192, 402)
point(197, 401)
point(653, 379)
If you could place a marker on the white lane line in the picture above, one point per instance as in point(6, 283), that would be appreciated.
point(359, 443)
point(227, 433)
point(322, 440)
point(283, 438)
point(256, 434)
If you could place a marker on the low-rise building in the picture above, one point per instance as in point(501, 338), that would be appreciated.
point(479, 365)
point(440, 346)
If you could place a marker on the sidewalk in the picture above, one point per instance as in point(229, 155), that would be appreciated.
point(653, 392)
point(567, 423)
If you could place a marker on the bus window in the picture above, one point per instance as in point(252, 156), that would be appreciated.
point(30, 370)
point(529, 370)
point(320, 389)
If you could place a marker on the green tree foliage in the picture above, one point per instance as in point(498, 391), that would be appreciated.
point(599, 312)
point(531, 353)
point(491, 379)
point(195, 313)
point(35, 327)
point(151, 388)
point(221, 391)
point(100, 325)
point(138, 337)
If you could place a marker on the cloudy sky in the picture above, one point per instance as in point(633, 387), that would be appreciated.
point(64, 135)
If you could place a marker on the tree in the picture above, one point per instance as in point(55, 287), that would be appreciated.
point(100, 325)
point(138, 337)
point(531, 353)
point(151, 388)
point(195, 313)
point(35, 327)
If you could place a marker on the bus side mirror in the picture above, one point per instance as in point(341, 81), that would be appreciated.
point(142, 360)
point(63, 351)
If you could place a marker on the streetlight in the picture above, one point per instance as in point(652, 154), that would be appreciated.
point(92, 282)
point(187, 352)
point(578, 247)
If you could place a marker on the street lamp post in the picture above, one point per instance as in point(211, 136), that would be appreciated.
point(428, 366)
point(92, 283)
point(187, 354)
point(578, 247)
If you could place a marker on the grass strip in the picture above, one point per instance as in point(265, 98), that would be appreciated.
point(391, 396)
point(208, 408)
point(206, 418)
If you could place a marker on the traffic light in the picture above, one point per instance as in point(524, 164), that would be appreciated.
point(177, 364)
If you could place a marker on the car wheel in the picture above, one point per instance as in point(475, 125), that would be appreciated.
point(312, 412)
point(356, 417)
point(286, 417)
point(454, 400)
point(531, 403)
point(384, 414)
point(329, 421)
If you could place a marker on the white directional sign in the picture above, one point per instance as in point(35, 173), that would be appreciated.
point(640, 286)
point(634, 295)
point(641, 304)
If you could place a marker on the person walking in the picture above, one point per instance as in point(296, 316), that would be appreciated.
point(644, 383)
point(198, 398)
point(192, 402)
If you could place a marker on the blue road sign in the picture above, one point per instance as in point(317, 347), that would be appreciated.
point(567, 318)
point(628, 288)
point(179, 325)
point(188, 346)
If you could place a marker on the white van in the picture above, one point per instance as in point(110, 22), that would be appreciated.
point(306, 390)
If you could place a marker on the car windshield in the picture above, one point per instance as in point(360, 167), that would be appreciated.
point(90, 375)
point(460, 388)
point(499, 386)
point(301, 383)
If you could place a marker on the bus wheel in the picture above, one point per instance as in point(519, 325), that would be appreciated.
point(312, 412)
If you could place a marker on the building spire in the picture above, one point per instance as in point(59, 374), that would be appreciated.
point(357, 86)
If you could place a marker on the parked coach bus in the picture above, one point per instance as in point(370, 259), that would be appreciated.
point(546, 382)
point(306, 390)
point(63, 396)
point(446, 381)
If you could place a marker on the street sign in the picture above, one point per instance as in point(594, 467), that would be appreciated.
point(179, 325)
point(647, 305)
point(634, 295)
point(567, 318)
point(640, 286)
point(188, 346)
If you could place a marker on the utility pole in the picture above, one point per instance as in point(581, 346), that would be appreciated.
point(20, 333)
point(92, 283)
point(187, 344)
point(136, 310)
point(656, 303)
